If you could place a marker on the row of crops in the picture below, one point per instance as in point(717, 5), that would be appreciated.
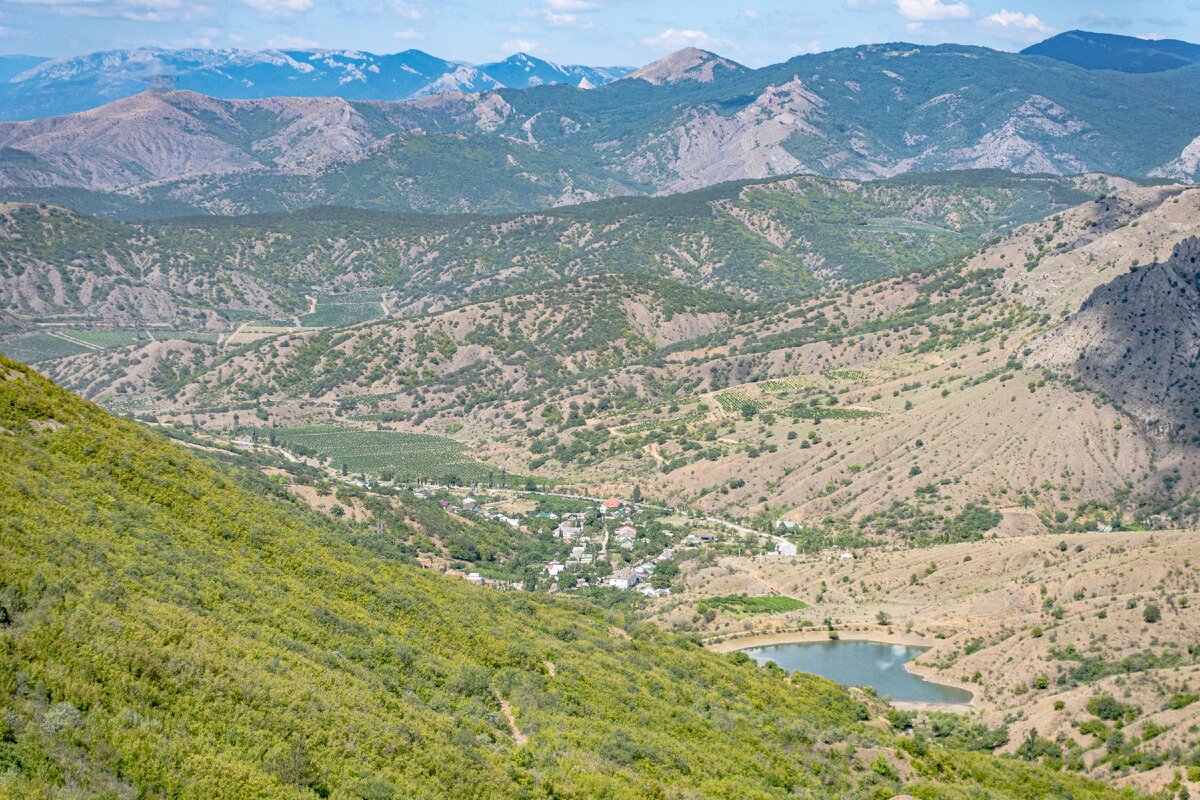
point(411, 456)
point(691, 417)
point(831, 412)
point(338, 310)
point(844, 375)
point(735, 401)
point(34, 347)
point(780, 385)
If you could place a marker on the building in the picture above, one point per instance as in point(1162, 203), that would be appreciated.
point(554, 568)
point(566, 530)
point(625, 535)
point(610, 505)
point(623, 579)
point(784, 548)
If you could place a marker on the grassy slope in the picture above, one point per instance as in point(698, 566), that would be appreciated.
point(171, 632)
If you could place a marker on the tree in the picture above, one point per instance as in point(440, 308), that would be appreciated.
point(1151, 613)
point(636, 497)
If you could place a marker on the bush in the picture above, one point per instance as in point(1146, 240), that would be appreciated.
point(1105, 706)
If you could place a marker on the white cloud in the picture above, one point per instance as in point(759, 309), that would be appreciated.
point(1015, 20)
point(286, 42)
point(564, 20)
point(930, 10)
point(407, 34)
point(561, 13)
point(521, 45)
point(750, 13)
point(683, 38)
point(137, 10)
point(405, 10)
point(280, 8)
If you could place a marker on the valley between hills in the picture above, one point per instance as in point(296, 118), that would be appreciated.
point(460, 446)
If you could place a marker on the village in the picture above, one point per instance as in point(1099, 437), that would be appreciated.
point(592, 543)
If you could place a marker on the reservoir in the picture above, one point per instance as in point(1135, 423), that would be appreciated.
point(855, 663)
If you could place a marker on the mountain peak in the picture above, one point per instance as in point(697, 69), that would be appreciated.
point(688, 64)
point(1116, 52)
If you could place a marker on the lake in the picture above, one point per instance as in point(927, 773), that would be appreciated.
point(856, 663)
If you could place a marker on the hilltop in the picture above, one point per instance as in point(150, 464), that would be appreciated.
point(1111, 51)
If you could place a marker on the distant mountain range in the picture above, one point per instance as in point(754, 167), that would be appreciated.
point(33, 87)
point(1122, 53)
point(689, 120)
point(36, 87)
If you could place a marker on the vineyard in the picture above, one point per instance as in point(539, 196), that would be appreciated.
point(741, 604)
point(845, 375)
point(780, 385)
point(338, 310)
point(35, 347)
point(735, 401)
point(831, 412)
point(691, 417)
point(411, 456)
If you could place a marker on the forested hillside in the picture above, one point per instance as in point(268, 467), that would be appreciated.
point(757, 240)
point(174, 630)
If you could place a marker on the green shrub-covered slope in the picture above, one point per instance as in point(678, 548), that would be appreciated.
point(170, 629)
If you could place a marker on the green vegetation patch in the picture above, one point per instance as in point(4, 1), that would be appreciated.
point(410, 456)
point(743, 604)
point(35, 347)
point(339, 310)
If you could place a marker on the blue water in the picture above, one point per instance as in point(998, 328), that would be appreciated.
point(861, 664)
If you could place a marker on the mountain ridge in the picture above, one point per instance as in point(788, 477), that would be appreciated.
point(859, 113)
point(79, 83)
point(1112, 51)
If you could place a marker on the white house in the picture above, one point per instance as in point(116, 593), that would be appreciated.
point(623, 579)
point(554, 568)
point(785, 548)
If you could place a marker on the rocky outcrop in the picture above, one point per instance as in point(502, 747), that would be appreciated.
point(1186, 167)
point(1137, 340)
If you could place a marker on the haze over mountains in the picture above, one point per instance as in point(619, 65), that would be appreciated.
point(44, 87)
point(691, 120)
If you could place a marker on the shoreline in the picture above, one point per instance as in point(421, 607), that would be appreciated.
point(736, 643)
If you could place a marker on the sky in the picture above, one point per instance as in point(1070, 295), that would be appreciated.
point(594, 32)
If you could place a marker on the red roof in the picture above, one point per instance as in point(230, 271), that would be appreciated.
point(611, 502)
